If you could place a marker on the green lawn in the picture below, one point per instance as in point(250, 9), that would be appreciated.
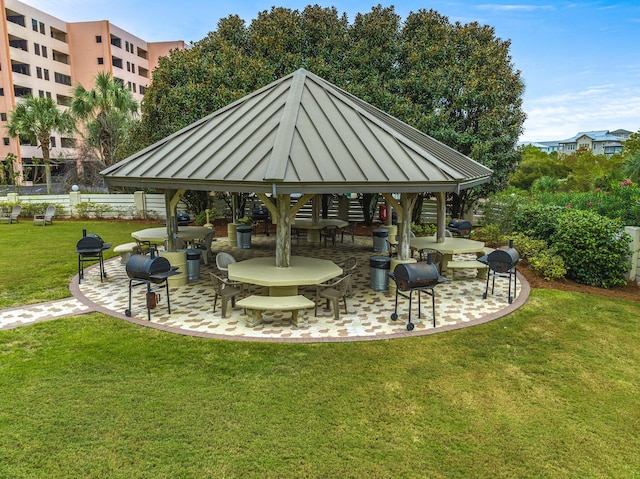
point(549, 391)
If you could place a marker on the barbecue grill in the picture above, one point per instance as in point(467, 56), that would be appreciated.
point(460, 227)
point(147, 270)
point(416, 277)
point(502, 263)
point(261, 214)
point(89, 249)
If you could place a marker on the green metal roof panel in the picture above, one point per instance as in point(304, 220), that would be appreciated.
point(303, 134)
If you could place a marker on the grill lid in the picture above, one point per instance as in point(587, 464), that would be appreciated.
point(416, 275)
point(502, 260)
point(91, 243)
point(152, 269)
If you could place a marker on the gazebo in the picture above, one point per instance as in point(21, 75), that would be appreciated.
point(301, 135)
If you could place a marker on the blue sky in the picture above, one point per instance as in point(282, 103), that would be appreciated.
point(580, 60)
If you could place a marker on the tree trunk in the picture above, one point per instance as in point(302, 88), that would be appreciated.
point(283, 232)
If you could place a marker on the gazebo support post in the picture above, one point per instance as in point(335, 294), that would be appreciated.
point(441, 216)
point(404, 210)
point(283, 231)
point(171, 199)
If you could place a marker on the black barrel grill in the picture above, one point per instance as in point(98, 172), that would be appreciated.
point(502, 263)
point(419, 277)
point(460, 227)
point(89, 249)
point(149, 270)
point(261, 214)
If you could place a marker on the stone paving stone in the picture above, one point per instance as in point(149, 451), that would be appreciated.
point(369, 311)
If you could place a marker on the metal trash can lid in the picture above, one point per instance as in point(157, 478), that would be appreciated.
point(381, 232)
point(193, 253)
point(244, 229)
point(380, 262)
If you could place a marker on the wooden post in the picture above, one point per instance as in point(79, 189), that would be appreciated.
point(407, 200)
point(441, 216)
point(283, 232)
point(171, 199)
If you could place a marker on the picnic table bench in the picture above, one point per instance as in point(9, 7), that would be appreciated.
point(257, 304)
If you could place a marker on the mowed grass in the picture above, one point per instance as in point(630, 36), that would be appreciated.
point(37, 263)
point(551, 390)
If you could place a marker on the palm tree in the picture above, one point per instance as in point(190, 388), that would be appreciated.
point(106, 110)
point(36, 119)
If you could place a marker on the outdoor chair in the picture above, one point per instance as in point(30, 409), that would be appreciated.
point(349, 268)
point(13, 216)
point(329, 232)
point(298, 233)
point(223, 260)
point(333, 292)
point(45, 218)
point(349, 230)
point(225, 290)
point(205, 245)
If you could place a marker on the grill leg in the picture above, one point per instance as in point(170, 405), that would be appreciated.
point(166, 285)
point(148, 306)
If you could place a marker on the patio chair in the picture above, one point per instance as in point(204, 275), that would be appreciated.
point(349, 230)
point(329, 232)
point(223, 260)
point(46, 217)
point(225, 290)
point(298, 233)
point(349, 268)
point(205, 245)
point(334, 292)
point(13, 216)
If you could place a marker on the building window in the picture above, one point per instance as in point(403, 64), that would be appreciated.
point(128, 66)
point(100, 61)
point(42, 28)
point(5, 140)
point(3, 116)
point(48, 94)
point(68, 142)
point(1, 91)
point(143, 89)
point(36, 48)
point(41, 93)
point(116, 62)
point(44, 51)
point(39, 72)
point(34, 24)
point(98, 38)
point(52, 141)
point(46, 74)
point(126, 45)
point(62, 78)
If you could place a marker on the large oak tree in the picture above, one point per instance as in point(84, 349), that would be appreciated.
point(455, 82)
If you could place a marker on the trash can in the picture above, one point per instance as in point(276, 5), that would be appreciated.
point(379, 266)
point(244, 236)
point(193, 264)
point(380, 237)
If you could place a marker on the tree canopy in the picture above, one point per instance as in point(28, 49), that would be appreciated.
point(106, 110)
point(455, 82)
point(36, 119)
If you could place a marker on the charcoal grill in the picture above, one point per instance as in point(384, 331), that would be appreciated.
point(502, 263)
point(460, 227)
point(89, 249)
point(261, 214)
point(145, 270)
point(419, 277)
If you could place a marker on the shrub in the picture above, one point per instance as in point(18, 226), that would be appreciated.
point(491, 235)
point(548, 264)
point(537, 220)
point(96, 210)
point(31, 209)
point(528, 246)
point(594, 248)
point(423, 229)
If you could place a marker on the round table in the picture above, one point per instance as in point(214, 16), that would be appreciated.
point(159, 235)
point(283, 281)
point(314, 227)
point(448, 248)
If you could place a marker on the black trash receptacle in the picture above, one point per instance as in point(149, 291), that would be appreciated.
point(244, 236)
point(379, 266)
point(193, 264)
point(380, 237)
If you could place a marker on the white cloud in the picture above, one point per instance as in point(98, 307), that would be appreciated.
point(599, 107)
